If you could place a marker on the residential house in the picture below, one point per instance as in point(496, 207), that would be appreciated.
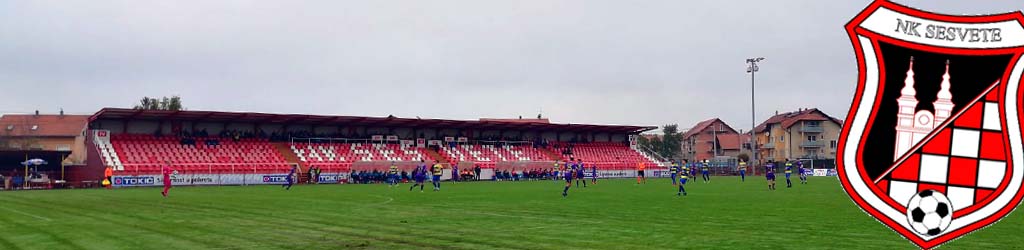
point(710, 139)
point(802, 134)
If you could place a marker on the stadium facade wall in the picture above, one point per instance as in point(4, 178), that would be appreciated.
point(375, 131)
point(92, 171)
point(297, 128)
point(142, 127)
point(447, 132)
point(113, 126)
point(211, 128)
point(271, 127)
point(551, 136)
point(403, 132)
point(488, 133)
point(241, 127)
point(214, 128)
point(619, 137)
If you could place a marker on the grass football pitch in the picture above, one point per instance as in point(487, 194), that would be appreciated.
point(613, 214)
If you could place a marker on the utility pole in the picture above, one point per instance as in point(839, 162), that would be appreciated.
point(752, 68)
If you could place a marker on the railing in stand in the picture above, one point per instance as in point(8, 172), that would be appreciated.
point(650, 152)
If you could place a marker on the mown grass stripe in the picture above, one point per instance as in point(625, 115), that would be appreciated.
point(615, 214)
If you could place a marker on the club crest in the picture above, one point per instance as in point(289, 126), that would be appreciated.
point(932, 143)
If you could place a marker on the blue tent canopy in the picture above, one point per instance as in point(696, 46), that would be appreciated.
point(34, 162)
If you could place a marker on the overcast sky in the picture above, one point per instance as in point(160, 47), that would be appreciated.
point(604, 62)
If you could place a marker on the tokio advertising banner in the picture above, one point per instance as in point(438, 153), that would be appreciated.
point(216, 179)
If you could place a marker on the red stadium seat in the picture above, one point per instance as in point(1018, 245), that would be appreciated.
point(145, 154)
point(606, 155)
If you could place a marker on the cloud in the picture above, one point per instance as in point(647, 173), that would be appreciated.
point(606, 62)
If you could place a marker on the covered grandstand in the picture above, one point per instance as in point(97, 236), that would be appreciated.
point(56, 143)
point(211, 147)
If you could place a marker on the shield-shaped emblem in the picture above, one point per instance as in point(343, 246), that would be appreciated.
point(932, 143)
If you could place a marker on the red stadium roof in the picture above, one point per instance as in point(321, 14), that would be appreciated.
point(322, 120)
point(520, 120)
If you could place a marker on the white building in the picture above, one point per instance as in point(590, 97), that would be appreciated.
point(914, 125)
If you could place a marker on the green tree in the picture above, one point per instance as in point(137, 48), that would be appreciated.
point(671, 143)
point(656, 144)
point(174, 103)
point(643, 141)
point(164, 103)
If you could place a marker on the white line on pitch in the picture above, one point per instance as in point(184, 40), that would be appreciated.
point(24, 213)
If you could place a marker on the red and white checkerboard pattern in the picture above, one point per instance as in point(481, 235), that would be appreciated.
point(964, 160)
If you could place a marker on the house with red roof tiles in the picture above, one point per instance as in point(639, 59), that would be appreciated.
point(712, 138)
point(801, 134)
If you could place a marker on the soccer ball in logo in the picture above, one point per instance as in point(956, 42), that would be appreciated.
point(929, 212)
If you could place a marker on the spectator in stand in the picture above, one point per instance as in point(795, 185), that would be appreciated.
point(17, 180)
point(34, 173)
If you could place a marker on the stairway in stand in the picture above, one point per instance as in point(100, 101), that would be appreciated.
point(291, 158)
point(434, 155)
point(286, 151)
point(551, 155)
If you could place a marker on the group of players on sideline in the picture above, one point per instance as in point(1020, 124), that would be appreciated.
point(571, 170)
point(681, 172)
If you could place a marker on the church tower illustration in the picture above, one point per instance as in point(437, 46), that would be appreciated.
point(914, 125)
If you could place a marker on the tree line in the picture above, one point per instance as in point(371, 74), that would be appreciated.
point(668, 144)
point(172, 103)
